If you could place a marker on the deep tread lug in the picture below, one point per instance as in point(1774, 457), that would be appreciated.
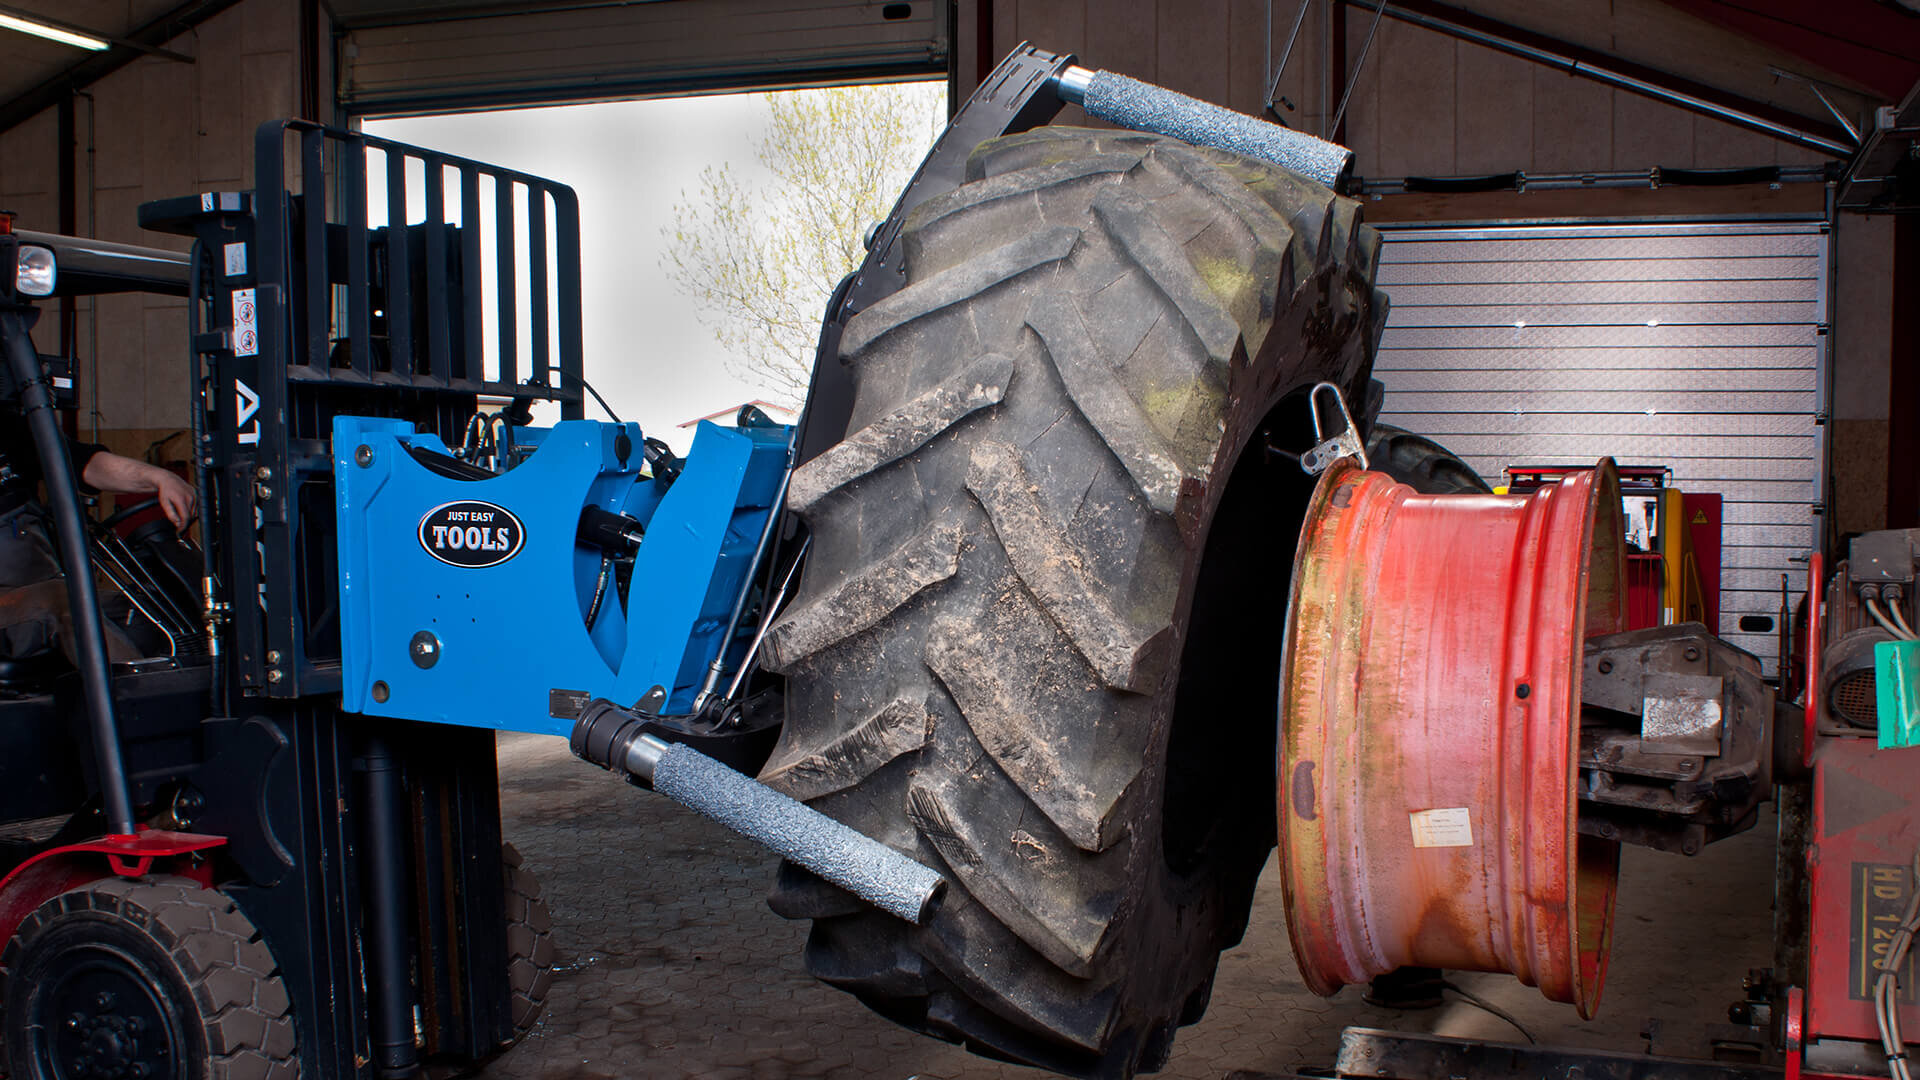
point(906, 429)
point(860, 602)
point(901, 727)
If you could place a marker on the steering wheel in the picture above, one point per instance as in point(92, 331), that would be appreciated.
point(126, 512)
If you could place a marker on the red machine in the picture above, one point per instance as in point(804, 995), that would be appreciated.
point(1673, 542)
point(1862, 846)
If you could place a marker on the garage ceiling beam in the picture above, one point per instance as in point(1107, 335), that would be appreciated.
point(125, 50)
point(1872, 44)
point(1624, 74)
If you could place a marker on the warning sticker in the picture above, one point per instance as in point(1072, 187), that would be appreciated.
point(1449, 827)
point(236, 258)
point(246, 324)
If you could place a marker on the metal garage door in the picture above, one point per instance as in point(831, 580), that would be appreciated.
point(400, 56)
point(1695, 346)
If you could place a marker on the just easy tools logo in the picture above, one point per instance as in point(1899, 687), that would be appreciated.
point(471, 534)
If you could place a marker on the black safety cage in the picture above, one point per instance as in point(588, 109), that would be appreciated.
point(313, 297)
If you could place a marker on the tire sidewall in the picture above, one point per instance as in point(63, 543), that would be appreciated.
point(52, 940)
point(1220, 891)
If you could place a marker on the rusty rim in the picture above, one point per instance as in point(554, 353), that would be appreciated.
point(1429, 729)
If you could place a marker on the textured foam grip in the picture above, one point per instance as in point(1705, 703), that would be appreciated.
point(1144, 107)
point(851, 860)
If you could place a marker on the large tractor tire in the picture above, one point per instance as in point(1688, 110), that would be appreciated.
point(1037, 639)
point(1420, 463)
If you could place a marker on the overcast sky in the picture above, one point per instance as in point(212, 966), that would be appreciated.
point(630, 163)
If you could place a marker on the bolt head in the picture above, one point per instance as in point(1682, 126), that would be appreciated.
point(363, 455)
point(263, 473)
point(424, 649)
point(273, 656)
point(1606, 667)
point(275, 675)
point(104, 1000)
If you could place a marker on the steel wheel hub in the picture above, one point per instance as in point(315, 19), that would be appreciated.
point(104, 1018)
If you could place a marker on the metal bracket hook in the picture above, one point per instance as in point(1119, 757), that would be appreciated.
point(1327, 450)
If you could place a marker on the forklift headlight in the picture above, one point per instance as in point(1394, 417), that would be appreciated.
point(35, 274)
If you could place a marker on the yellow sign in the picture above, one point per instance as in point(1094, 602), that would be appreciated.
point(1699, 517)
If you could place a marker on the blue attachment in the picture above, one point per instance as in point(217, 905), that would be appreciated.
point(506, 596)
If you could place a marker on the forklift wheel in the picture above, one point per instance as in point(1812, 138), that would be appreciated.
point(1038, 634)
point(150, 977)
point(529, 965)
point(529, 942)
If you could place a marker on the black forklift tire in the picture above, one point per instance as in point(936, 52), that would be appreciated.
point(1420, 463)
point(1037, 637)
point(530, 949)
point(150, 971)
point(530, 956)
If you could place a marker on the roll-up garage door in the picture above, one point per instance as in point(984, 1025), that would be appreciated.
point(1695, 346)
point(396, 58)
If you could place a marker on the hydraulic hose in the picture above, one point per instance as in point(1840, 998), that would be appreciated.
point(36, 406)
point(202, 463)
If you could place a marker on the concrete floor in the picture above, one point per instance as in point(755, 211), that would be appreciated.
point(673, 966)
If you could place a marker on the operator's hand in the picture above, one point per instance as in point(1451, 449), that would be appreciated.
point(124, 476)
point(177, 497)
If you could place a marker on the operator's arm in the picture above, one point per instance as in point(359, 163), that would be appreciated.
point(124, 476)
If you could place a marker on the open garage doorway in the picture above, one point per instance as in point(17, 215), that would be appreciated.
point(713, 228)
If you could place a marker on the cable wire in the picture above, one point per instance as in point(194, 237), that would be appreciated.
point(1880, 616)
point(608, 409)
point(1893, 609)
point(1481, 1003)
point(1886, 988)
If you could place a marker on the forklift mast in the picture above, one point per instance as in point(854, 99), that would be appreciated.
point(367, 278)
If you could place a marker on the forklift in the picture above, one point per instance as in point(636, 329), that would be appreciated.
point(207, 868)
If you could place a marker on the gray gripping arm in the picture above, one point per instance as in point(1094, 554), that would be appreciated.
point(857, 863)
point(1142, 106)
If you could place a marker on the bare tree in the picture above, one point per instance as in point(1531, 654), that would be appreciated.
point(761, 260)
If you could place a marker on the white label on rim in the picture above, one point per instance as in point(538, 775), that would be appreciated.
point(1449, 827)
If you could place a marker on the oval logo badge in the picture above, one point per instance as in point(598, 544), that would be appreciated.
point(471, 534)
